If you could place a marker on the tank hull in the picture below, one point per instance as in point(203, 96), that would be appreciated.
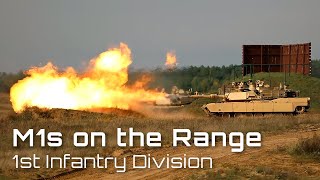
point(280, 105)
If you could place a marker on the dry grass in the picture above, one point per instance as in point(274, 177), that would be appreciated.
point(261, 172)
point(308, 148)
point(5, 105)
point(145, 119)
point(69, 121)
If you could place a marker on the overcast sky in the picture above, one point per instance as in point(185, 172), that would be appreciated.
point(70, 32)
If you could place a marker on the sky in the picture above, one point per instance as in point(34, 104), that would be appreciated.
point(71, 32)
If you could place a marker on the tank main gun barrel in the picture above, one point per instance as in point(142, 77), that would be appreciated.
point(207, 96)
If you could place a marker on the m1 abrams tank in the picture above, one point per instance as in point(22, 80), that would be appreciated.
point(178, 97)
point(257, 98)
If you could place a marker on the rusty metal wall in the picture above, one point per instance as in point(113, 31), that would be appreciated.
point(295, 58)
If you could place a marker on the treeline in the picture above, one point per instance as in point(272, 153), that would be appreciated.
point(8, 79)
point(202, 78)
point(315, 70)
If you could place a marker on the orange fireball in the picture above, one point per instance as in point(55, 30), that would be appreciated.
point(171, 61)
point(102, 85)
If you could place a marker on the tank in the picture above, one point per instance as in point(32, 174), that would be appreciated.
point(257, 98)
point(178, 97)
point(174, 100)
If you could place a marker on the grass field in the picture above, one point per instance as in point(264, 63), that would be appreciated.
point(163, 120)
